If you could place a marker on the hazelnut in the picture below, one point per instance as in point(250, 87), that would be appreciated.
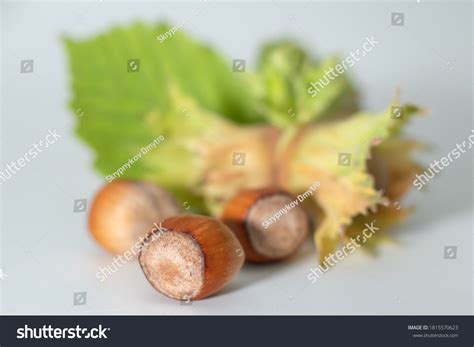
point(265, 234)
point(123, 212)
point(190, 257)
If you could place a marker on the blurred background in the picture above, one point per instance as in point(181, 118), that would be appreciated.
point(49, 261)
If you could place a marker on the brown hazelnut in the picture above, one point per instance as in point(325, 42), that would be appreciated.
point(124, 211)
point(249, 215)
point(190, 257)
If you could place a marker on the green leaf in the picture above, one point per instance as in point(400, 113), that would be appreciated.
point(114, 102)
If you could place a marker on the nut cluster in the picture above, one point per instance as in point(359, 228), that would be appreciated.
point(193, 256)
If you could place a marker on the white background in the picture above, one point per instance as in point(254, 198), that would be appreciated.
point(48, 254)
